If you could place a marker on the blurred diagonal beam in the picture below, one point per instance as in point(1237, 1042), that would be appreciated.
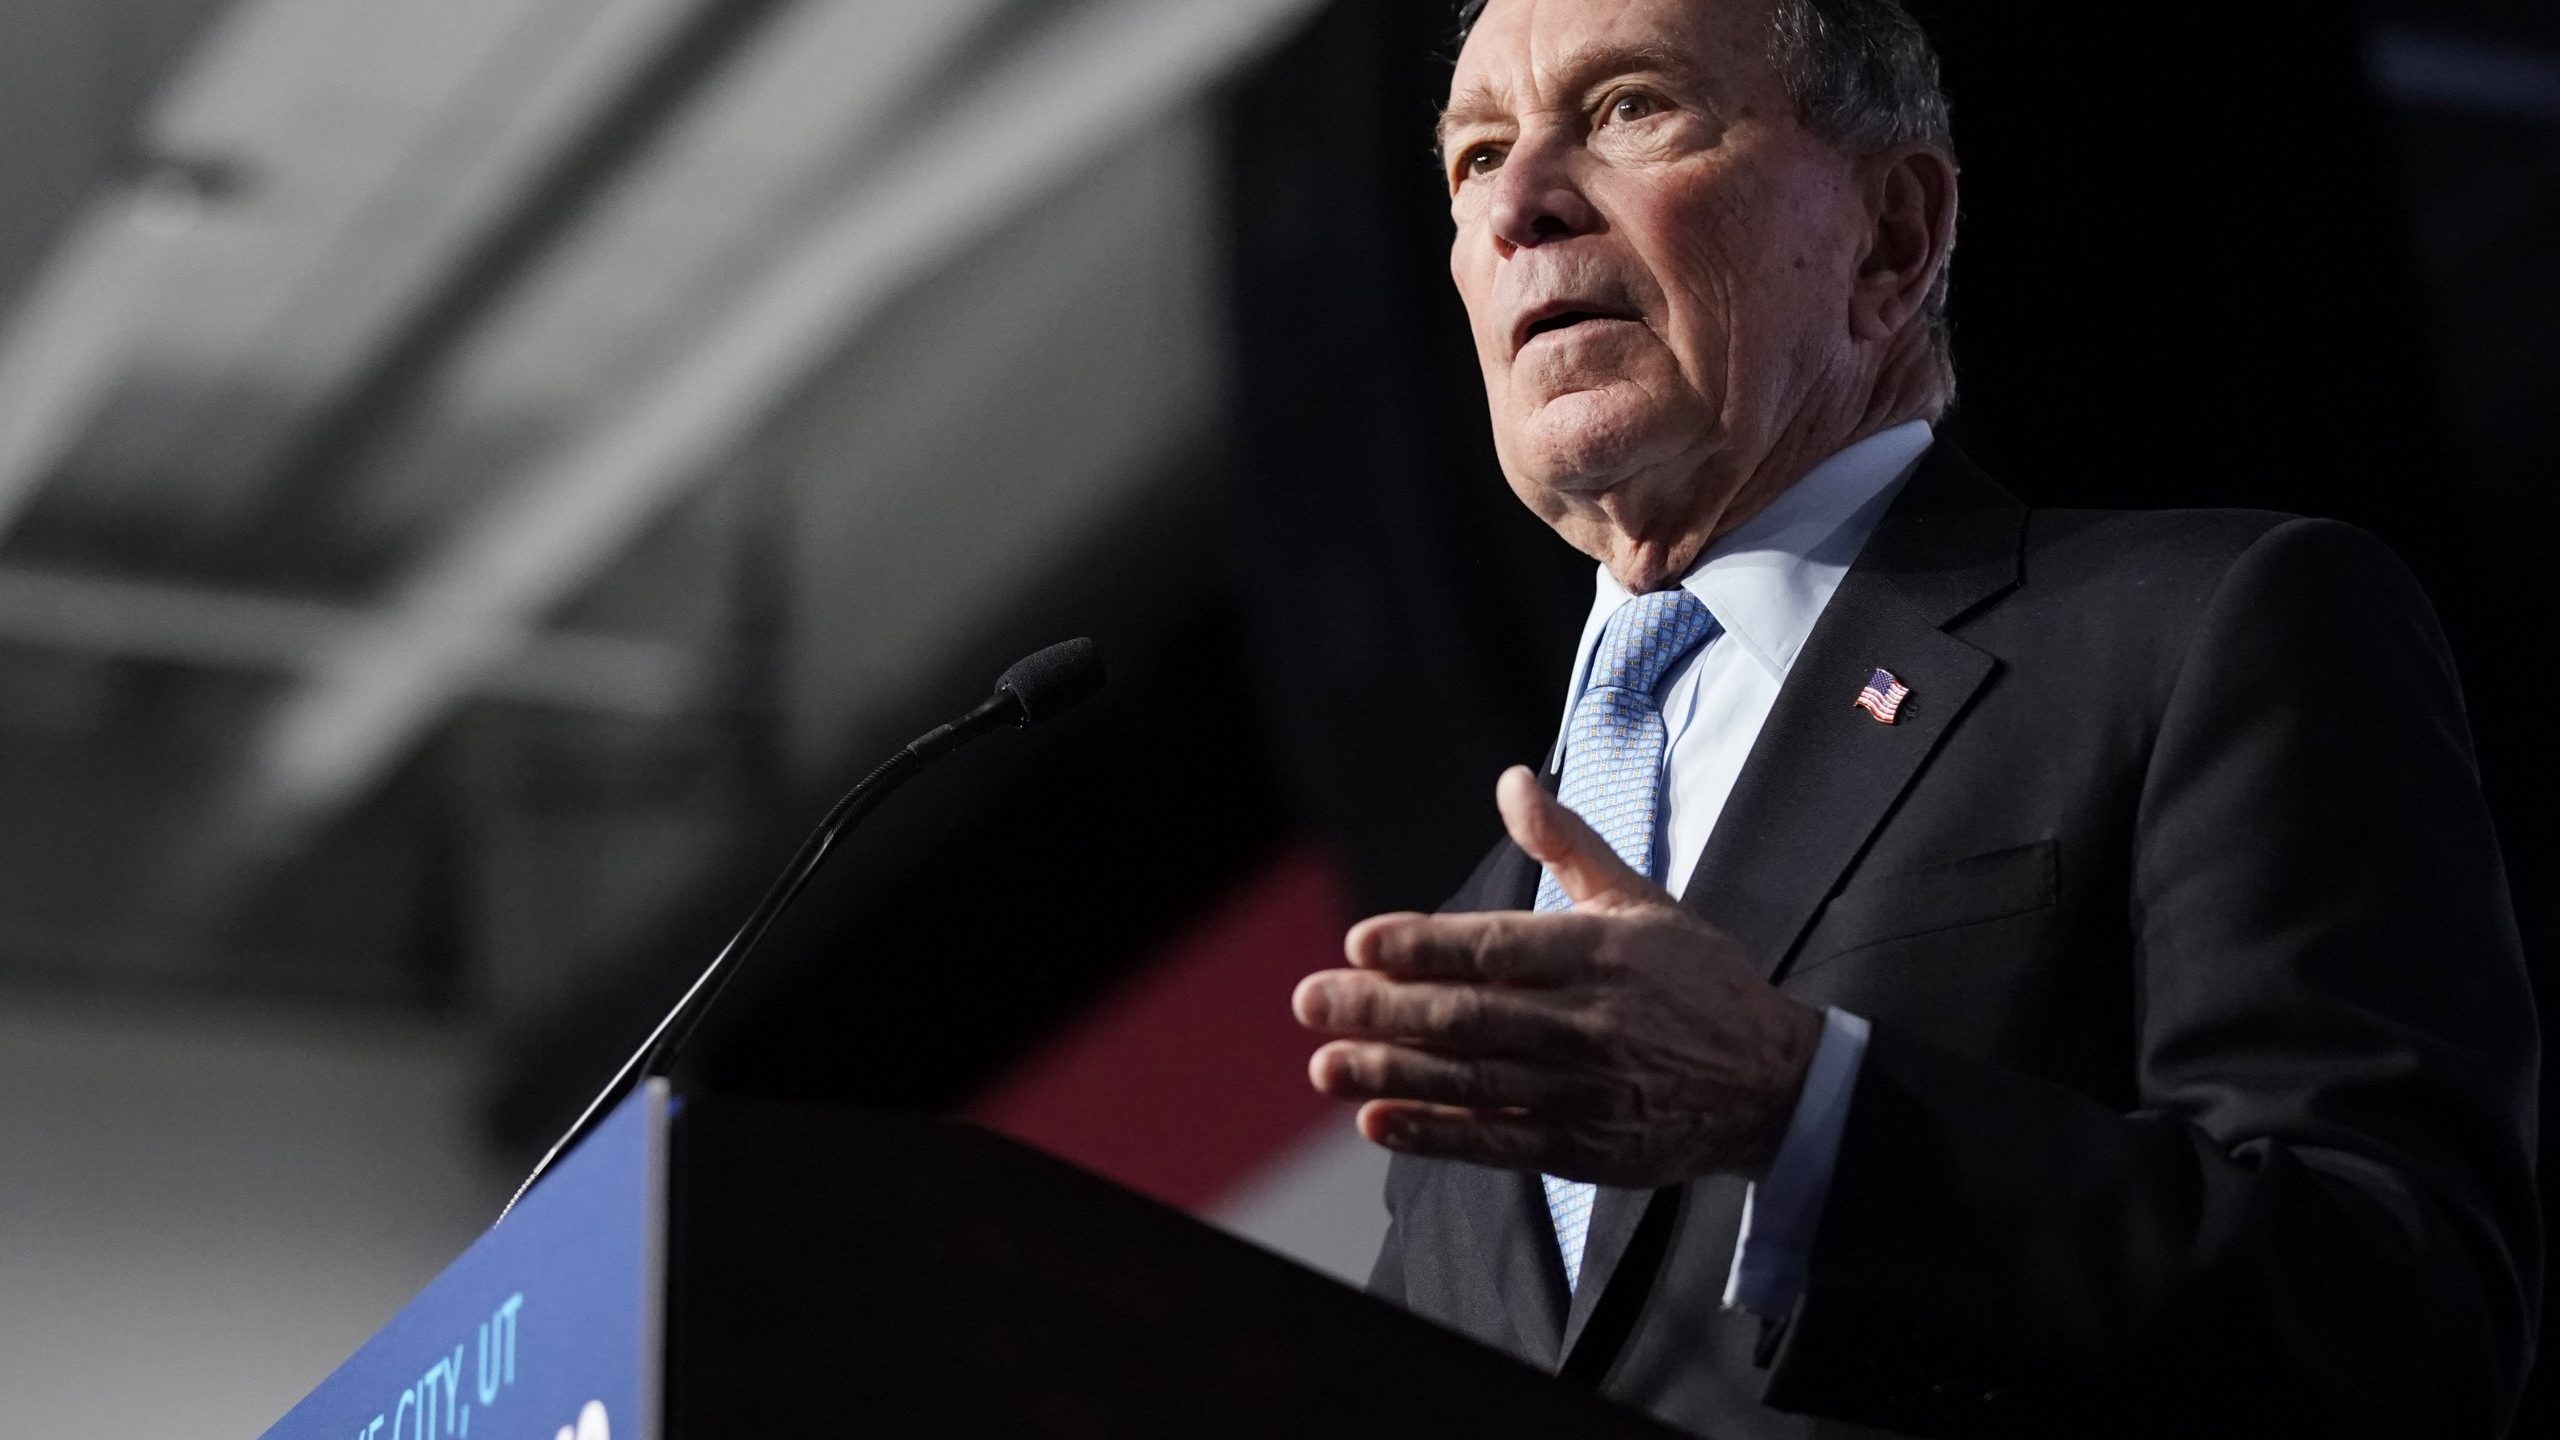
point(1094, 73)
point(483, 279)
point(125, 619)
point(1105, 69)
point(66, 343)
point(79, 321)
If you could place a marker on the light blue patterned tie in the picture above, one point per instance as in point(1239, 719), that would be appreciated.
point(1613, 780)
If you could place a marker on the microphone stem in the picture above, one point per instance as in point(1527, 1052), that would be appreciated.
point(666, 1042)
point(658, 1053)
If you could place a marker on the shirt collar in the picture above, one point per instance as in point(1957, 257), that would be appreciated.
point(1768, 581)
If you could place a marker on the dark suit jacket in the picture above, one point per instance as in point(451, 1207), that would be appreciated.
point(2200, 1093)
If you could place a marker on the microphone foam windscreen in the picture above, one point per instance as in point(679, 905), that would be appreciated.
point(1055, 680)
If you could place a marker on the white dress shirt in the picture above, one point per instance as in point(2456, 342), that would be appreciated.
point(1766, 583)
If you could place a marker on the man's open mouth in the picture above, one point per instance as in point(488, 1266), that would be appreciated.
point(1562, 318)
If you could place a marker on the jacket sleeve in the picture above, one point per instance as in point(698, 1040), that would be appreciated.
point(2321, 1218)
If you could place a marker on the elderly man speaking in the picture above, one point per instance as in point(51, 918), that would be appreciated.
point(1965, 969)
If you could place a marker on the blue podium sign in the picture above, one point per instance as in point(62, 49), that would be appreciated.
point(549, 1327)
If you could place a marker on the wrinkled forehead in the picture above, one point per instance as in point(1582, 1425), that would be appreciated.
point(1523, 54)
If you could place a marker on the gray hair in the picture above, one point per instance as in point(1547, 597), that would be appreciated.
point(1864, 77)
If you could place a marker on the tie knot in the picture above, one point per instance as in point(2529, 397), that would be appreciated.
point(1648, 636)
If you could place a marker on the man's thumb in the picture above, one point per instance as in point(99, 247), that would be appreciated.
point(1557, 838)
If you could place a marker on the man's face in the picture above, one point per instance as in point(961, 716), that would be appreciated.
point(1655, 258)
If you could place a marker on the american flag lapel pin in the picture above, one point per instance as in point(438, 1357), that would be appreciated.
point(1883, 696)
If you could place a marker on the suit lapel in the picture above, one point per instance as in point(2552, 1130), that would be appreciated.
point(1615, 1214)
point(1505, 1215)
point(1824, 774)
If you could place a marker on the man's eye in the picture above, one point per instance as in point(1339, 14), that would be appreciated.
point(1481, 160)
point(1635, 106)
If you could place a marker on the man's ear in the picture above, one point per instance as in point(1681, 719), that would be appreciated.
point(1911, 229)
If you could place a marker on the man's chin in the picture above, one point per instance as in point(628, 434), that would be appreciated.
point(1587, 442)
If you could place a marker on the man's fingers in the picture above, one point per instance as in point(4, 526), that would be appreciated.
point(1555, 837)
point(1470, 1019)
point(1448, 1132)
point(1512, 947)
point(1371, 1070)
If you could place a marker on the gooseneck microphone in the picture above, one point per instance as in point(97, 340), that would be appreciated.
point(1039, 687)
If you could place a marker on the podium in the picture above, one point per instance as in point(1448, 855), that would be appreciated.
point(707, 1267)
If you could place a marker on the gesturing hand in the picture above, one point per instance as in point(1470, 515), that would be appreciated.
point(1624, 1041)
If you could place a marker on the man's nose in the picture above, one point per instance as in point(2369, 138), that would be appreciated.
point(1536, 199)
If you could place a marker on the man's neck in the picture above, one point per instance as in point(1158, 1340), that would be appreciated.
point(1647, 553)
